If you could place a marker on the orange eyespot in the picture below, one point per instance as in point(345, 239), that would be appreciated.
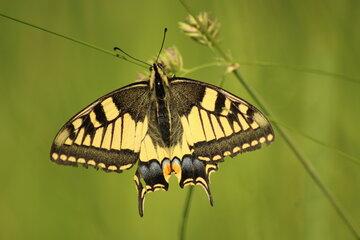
point(166, 169)
point(176, 167)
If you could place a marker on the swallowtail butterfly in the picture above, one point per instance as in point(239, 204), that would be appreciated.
point(163, 125)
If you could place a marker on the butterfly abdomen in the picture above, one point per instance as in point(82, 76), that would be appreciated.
point(162, 107)
point(163, 121)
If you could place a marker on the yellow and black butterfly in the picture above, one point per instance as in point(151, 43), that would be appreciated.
point(165, 125)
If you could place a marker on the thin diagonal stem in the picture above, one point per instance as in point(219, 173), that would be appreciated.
point(302, 69)
point(299, 155)
point(347, 156)
point(114, 54)
point(197, 68)
point(185, 214)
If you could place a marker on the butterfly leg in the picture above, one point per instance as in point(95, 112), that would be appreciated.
point(194, 172)
point(149, 177)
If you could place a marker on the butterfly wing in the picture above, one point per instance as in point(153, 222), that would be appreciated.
point(215, 124)
point(108, 133)
point(220, 124)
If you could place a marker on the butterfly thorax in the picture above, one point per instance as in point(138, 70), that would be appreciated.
point(159, 85)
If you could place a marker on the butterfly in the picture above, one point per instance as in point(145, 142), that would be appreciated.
point(165, 125)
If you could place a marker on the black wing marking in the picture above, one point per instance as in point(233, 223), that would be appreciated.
point(214, 124)
point(108, 133)
point(220, 123)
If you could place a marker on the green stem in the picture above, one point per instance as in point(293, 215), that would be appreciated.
point(355, 160)
point(185, 214)
point(114, 54)
point(300, 156)
point(276, 65)
point(197, 68)
point(301, 69)
point(318, 181)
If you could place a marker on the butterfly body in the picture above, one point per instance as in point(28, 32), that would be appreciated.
point(163, 116)
point(168, 125)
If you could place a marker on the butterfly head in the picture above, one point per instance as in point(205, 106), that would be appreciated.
point(158, 79)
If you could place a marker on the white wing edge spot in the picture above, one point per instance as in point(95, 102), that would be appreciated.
point(127, 166)
point(63, 157)
point(112, 168)
point(217, 157)
point(91, 162)
point(245, 146)
point(238, 149)
point(81, 160)
point(101, 165)
point(55, 156)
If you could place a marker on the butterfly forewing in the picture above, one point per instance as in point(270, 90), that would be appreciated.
point(216, 123)
point(108, 133)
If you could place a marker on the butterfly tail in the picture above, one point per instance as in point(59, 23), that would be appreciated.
point(149, 177)
point(197, 172)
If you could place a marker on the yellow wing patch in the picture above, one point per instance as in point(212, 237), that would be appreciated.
point(195, 124)
point(116, 137)
point(128, 136)
point(223, 125)
point(107, 134)
point(209, 133)
point(208, 101)
point(119, 134)
point(110, 109)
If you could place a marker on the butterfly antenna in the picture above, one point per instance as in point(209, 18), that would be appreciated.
point(162, 44)
point(78, 41)
point(122, 51)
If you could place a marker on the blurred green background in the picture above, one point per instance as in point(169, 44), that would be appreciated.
point(260, 195)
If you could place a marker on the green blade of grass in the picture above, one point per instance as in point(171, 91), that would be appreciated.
point(74, 40)
point(262, 64)
point(353, 159)
point(185, 214)
point(302, 69)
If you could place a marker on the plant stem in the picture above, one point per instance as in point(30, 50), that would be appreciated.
point(301, 69)
point(347, 156)
point(113, 53)
point(309, 168)
point(185, 214)
point(197, 68)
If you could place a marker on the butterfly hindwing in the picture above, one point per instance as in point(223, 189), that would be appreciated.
point(216, 123)
point(108, 133)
